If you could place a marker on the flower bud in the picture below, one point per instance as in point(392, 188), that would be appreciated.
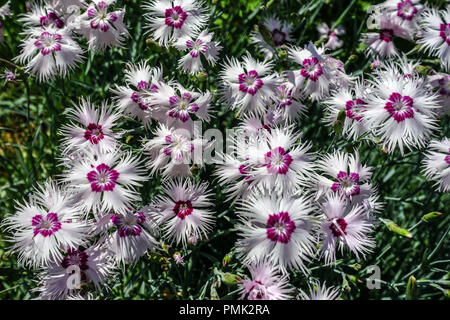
point(431, 216)
point(391, 225)
point(411, 288)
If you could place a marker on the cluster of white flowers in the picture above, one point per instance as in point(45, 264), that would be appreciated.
point(294, 205)
point(49, 47)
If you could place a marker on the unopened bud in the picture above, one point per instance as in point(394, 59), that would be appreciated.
point(431, 216)
point(231, 279)
point(202, 76)
point(411, 288)
point(391, 225)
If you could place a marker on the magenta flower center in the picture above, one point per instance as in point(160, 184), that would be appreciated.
point(346, 184)
point(177, 146)
point(128, 225)
point(103, 178)
point(406, 10)
point(137, 96)
point(445, 32)
point(52, 19)
point(338, 227)
point(175, 17)
point(182, 106)
point(280, 227)
point(249, 82)
point(94, 133)
point(447, 159)
point(182, 209)
point(100, 18)
point(48, 43)
point(277, 161)
point(46, 226)
point(196, 47)
point(355, 109)
point(386, 35)
point(75, 258)
point(284, 96)
point(400, 107)
point(444, 84)
point(279, 37)
point(312, 69)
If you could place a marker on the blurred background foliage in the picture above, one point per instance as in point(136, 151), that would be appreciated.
point(32, 113)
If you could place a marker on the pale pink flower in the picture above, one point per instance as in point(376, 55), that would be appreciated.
point(200, 46)
point(133, 99)
point(314, 77)
point(173, 152)
point(344, 226)
point(265, 283)
point(441, 83)
point(331, 36)
point(45, 225)
point(400, 110)
point(344, 175)
point(183, 211)
point(437, 164)
point(381, 43)
point(180, 106)
point(129, 235)
point(91, 129)
point(49, 53)
point(247, 86)
point(319, 291)
point(106, 181)
point(279, 228)
point(102, 26)
point(279, 33)
point(348, 104)
point(169, 20)
point(77, 267)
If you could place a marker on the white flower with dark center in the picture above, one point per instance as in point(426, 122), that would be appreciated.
point(286, 104)
point(134, 98)
point(180, 106)
point(49, 53)
point(272, 159)
point(400, 110)
point(344, 226)
point(277, 228)
point(45, 225)
point(90, 266)
point(128, 235)
point(92, 128)
point(183, 211)
point(437, 164)
point(201, 46)
point(331, 36)
point(344, 175)
point(276, 34)
point(314, 77)
point(173, 152)
point(265, 283)
point(441, 83)
point(435, 35)
point(45, 17)
point(170, 20)
point(106, 181)
point(320, 292)
point(103, 27)
point(406, 11)
point(348, 105)
point(247, 86)
point(381, 43)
